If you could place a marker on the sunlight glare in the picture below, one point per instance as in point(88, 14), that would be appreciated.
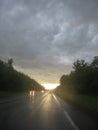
point(50, 86)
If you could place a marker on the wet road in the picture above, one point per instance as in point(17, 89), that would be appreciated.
point(42, 111)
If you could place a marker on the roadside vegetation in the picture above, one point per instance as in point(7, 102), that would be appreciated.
point(12, 80)
point(81, 85)
point(87, 102)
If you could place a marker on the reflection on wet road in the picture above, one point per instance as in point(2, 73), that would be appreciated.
point(42, 111)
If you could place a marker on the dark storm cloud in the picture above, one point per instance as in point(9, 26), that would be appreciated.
point(45, 37)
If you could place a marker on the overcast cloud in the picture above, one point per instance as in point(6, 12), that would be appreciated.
point(44, 37)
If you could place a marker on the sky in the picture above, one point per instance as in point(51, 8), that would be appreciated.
point(45, 37)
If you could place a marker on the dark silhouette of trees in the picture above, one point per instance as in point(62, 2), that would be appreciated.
point(80, 65)
point(11, 80)
point(83, 78)
point(10, 62)
point(94, 63)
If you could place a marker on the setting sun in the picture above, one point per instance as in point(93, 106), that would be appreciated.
point(50, 86)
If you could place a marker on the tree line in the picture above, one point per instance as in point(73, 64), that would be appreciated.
point(12, 80)
point(82, 79)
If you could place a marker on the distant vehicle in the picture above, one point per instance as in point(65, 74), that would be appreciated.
point(42, 91)
point(50, 91)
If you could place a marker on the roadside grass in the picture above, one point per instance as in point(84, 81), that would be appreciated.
point(85, 101)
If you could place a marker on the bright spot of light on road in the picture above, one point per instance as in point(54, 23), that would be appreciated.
point(50, 86)
point(32, 93)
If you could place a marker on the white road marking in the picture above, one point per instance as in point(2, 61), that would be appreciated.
point(71, 121)
point(66, 114)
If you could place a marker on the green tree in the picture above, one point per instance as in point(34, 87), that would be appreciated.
point(83, 79)
point(10, 63)
point(94, 63)
point(11, 80)
point(80, 65)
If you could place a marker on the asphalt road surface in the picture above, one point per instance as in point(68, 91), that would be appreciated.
point(42, 111)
